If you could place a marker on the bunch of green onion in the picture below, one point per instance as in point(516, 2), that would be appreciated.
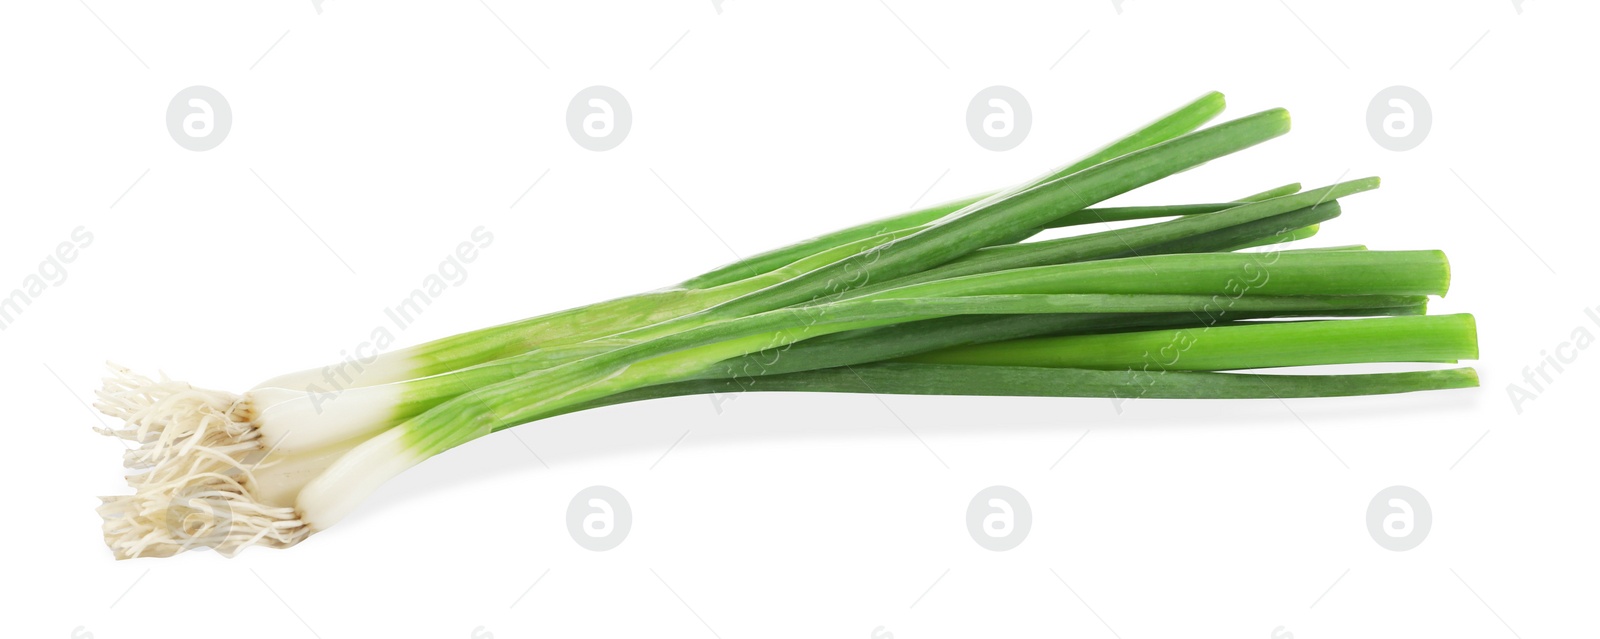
point(949, 300)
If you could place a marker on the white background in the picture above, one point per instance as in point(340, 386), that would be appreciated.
point(391, 130)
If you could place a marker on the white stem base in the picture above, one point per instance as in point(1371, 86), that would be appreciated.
point(294, 422)
point(354, 476)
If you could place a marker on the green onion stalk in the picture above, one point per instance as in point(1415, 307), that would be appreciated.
point(1209, 284)
point(953, 299)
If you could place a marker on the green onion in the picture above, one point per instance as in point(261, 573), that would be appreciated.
point(953, 299)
